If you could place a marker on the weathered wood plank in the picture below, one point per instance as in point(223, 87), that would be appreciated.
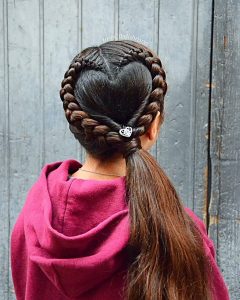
point(25, 108)
point(225, 142)
point(62, 35)
point(136, 20)
point(184, 45)
point(226, 234)
point(201, 89)
point(98, 19)
point(4, 170)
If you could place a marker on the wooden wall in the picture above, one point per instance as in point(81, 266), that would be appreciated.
point(224, 205)
point(198, 43)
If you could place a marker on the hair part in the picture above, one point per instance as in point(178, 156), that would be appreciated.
point(123, 83)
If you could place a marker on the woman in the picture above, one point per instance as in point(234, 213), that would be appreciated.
point(112, 227)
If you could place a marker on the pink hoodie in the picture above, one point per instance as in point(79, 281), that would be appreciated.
point(69, 240)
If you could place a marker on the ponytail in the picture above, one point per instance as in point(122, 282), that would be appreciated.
point(170, 262)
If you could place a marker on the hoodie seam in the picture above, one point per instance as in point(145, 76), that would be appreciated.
point(66, 202)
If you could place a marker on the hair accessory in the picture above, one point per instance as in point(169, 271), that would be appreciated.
point(126, 131)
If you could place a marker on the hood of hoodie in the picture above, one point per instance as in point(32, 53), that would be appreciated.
point(72, 235)
point(77, 230)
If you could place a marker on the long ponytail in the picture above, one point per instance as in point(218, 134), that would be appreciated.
point(170, 261)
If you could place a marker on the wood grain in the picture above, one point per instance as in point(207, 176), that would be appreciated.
point(199, 141)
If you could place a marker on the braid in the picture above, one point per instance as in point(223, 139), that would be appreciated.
point(91, 130)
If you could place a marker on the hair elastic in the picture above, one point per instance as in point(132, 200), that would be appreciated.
point(126, 131)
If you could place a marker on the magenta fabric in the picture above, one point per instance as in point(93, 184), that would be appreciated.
point(69, 240)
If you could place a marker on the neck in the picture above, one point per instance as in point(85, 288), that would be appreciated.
point(115, 165)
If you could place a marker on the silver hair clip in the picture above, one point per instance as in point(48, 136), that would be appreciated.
point(125, 131)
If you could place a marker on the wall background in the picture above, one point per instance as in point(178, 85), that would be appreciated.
point(199, 144)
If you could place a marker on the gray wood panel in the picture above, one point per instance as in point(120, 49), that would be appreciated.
point(38, 39)
point(61, 38)
point(100, 26)
point(4, 154)
point(224, 207)
point(25, 106)
point(184, 45)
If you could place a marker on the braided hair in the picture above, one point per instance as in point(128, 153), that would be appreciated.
point(106, 136)
point(122, 83)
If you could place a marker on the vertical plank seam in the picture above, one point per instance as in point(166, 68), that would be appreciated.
point(193, 100)
point(209, 180)
point(41, 79)
point(82, 150)
point(6, 94)
point(81, 22)
point(79, 46)
point(116, 19)
point(156, 43)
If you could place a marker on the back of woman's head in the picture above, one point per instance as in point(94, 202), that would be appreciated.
point(106, 88)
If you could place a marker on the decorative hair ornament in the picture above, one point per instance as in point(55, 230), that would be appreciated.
point(126, 131)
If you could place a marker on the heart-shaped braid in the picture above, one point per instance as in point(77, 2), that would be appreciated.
point(125, 140)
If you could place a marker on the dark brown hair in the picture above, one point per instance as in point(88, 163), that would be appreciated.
point(123, 83)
